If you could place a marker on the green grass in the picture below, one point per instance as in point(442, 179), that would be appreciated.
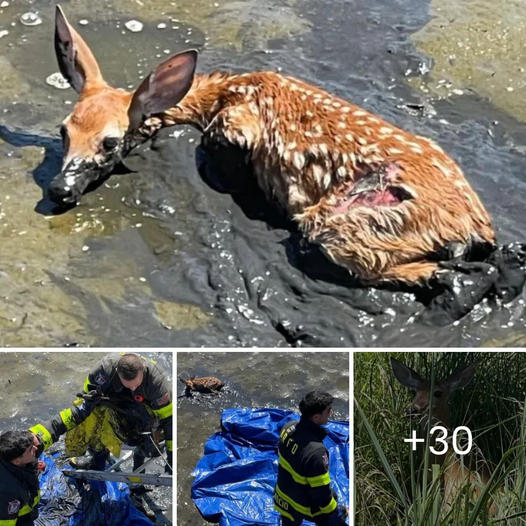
point(395, 487)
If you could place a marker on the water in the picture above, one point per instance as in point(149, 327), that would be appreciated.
point(37, 385)
point(158, 258)
point(253, 379)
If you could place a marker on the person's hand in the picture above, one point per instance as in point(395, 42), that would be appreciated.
point(40, 446)
point(95, 395)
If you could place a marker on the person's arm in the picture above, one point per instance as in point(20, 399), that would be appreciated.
point(50, 431)
point(162, 408)
point(10, 508)
point(322, 496)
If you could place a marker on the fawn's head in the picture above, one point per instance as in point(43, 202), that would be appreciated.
point(421, 389)
point(97, 134)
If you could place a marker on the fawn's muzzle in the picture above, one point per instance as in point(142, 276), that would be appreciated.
point(68, 186)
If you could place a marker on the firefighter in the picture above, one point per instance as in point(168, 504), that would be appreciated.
point(19, 485)
point(303, 489)
point(122, 400)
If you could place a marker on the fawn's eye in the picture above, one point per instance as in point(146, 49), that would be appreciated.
point(109, 143)
point(437, 394)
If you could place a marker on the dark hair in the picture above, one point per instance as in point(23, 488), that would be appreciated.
point(129, 366)
point(315, 402)
point(14, 443)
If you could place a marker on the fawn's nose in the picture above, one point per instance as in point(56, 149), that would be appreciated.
point(67, 187)
point(61, 194)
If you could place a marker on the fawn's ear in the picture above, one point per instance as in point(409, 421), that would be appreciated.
point(405, 375)
point(163, 88)
point(75, 59)
point(460, 379)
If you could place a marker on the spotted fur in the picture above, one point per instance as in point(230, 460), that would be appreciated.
point(380, 201)
point(205, 384)
point(309, 149)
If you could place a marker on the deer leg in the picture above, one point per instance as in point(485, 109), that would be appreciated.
point(416, 272)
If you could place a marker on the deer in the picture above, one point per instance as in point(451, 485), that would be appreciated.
point(435, 404)
point(383, 203)
point(204, 384)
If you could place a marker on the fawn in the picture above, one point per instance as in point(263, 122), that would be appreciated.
point(380, 201)
point(455, 474)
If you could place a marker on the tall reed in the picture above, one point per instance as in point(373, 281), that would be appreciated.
point(396, 487)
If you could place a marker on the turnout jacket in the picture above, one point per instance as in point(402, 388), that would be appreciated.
point(19, 494)
point(155, 392)
point(303, 489)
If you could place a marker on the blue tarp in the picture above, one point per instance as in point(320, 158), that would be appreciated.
point(66, 502)
point(234, 480)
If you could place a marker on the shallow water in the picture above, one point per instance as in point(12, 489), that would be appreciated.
point(157, 257)
point(252, 379)
point(37, 385)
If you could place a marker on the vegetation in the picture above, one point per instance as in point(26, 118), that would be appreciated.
point(395, 487)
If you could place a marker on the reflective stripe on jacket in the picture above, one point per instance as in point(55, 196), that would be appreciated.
point(19, 495)
point(303, 489)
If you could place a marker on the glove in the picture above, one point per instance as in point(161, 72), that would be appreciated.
point(95, 395)
point(169, 462)
point(40, 448)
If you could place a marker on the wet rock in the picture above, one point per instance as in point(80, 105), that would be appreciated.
point(134, 26)
point(177, 316)
point(13, 85)
point(57, 80)
point(515, 339)
point(230, 24)
point(476, 45)
point(30, 19)
point(226, 23)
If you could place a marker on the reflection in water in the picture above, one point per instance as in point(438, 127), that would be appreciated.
point(157, 257)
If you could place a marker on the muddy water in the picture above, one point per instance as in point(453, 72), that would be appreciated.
point(37, 385)
point(158, 258)
point(253, 379)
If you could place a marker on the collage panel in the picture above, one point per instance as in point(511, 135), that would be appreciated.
point(86, 438)
point(184, 176)
point(243, 450)
point(440, 438)
point(304, 158)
